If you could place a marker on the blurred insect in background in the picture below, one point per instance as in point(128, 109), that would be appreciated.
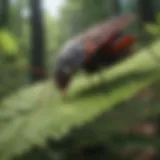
point(99, 47)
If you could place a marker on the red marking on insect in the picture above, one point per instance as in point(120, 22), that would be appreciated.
point(90, 50)
point(124, 43)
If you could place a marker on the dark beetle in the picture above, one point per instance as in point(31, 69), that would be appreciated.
point(101, 46)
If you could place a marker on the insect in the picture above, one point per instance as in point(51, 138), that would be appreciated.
point(101, 46)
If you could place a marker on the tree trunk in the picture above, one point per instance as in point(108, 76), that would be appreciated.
point(37, 34)
point(146, 9)
point(4, 13)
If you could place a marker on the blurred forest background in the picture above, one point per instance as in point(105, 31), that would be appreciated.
point(30, 38)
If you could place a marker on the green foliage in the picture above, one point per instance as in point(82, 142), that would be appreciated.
point(154, 29)
point(19, 24)
point(53, 35)
point(79, 15)
point(11, 74)
point(8, 43)
point(14, 49)
point(34, 114)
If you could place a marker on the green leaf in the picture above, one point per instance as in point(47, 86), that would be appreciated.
point(158, 18)
point(8, 43)
point(153, 29)
point(34, 114)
